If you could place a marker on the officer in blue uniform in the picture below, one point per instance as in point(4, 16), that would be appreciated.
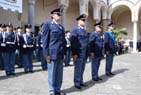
point(96, 50)
point(2, 29)
point(54, 51)
point(79, 46)
point(20, 41)
point(109, 49)
point(28, 47)
point(39, 45)
point(9, 39)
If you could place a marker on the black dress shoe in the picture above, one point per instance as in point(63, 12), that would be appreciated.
point(107, 74)
point(57, 93)
point(94, 79)
point(25, 72)
point(84, 85)
point(13, 74)
point(31, 71)
point(99, 78)
point(7, 75)
point(112, 74)
point(44, 69)
point(60, 93)
point(78, 87)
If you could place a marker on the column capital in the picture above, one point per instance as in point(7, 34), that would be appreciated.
point(64, 3)
point(97, 20)
point(134, 21)
point(83, 6)
point(31, 2)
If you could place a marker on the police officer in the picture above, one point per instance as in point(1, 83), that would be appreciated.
point(54, 50)
point(109, 49)
point(40, 49)
point(96, 48)
point(28, 47)
point(79, 46)
point(9, 39)
point(2, 29)
point(20, 40)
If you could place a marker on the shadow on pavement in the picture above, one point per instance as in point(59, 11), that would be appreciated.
point(92, 83)
point(18, 74)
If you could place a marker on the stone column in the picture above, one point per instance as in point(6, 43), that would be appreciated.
point(135, 29)
point(83, 6)
point(31, 13)
point(105, 23)
point(63, 22)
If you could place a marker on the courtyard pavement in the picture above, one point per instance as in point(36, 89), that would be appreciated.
point(127, 80)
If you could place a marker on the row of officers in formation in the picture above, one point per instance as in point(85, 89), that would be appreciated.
point(57, 47)
point(17, 47)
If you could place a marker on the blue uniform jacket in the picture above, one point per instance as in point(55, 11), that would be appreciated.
point(96, 44)
point(0, 41)
point(79, 40)
point(109, 42)
point(28, 44)
point(20, 41)
point(11, 41)
point(54, 43)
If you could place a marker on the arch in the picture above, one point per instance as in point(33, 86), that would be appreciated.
point(138, 18)
point(122, 18)
point(137, 10)
point(96, 13)
point(116, 4)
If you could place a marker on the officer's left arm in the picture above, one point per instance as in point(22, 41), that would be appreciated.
point(64, 42)
point(106, 42)
point(92, 42)
point(45, 38)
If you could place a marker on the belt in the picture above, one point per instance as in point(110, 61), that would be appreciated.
point(28, 46)
point(11, 43)
point(3, 44)
point(41, 45)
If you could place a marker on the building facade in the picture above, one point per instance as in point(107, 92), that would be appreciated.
point(124, 13)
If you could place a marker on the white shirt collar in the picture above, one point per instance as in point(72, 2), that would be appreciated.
point(81, 27)
point(53, 21)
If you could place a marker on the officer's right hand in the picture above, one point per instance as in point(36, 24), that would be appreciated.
point(48, 59)
point(75, 57)
point(92, 55)
point(107, 52)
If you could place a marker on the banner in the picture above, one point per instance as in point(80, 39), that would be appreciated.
point(13, 5)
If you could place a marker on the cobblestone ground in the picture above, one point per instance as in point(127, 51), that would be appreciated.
point(127, 80)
